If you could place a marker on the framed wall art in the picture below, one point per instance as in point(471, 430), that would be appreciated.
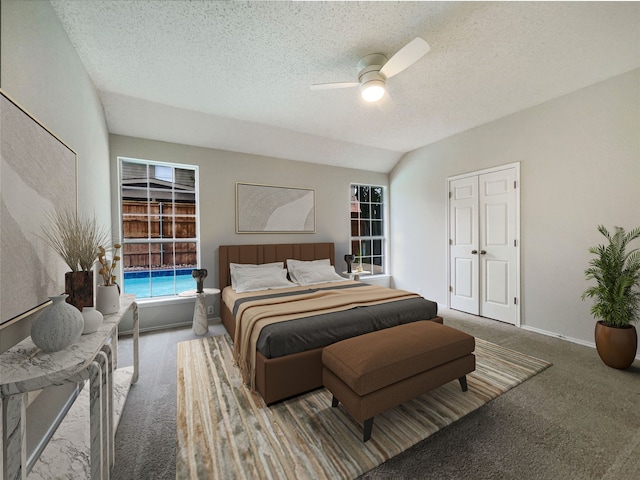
point(274, 209)
point(38, 174)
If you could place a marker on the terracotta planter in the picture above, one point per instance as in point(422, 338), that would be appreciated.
point(616, 346)
point(79, 287)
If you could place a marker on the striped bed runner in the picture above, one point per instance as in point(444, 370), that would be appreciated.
point(224, 431)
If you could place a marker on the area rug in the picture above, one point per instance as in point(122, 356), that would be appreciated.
point(224, 431)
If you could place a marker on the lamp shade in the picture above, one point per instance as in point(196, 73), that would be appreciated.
point(372, 91)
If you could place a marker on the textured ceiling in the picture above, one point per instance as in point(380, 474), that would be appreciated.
point(236, 75)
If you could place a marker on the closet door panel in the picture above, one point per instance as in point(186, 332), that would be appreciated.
point(498, 253)
point(463, 241)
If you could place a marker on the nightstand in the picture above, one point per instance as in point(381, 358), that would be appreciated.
point(200, 322)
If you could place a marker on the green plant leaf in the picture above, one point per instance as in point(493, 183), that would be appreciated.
point(617, 275)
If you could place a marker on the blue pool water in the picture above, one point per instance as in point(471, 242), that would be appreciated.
point(158, 283)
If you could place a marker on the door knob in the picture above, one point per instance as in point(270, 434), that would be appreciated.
point(473, 252)
point(482, 252)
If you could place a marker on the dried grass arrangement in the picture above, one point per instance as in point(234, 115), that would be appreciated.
point(75, 238)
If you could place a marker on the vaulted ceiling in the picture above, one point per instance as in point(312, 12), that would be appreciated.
point(236, 75)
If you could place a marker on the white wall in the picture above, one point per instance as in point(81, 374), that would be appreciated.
point(219, 172)
point(580, 167)
point(40, 69)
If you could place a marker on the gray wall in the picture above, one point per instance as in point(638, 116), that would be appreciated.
point(580, 166)
point(219, 171)
point(40, 69)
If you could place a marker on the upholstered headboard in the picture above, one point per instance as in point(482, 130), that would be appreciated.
point(269, 253)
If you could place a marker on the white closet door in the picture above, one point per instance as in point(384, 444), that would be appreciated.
point(498, 251)
point(483, 245)
point(463, 225)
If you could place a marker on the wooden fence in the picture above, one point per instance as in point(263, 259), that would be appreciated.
point(158, 220)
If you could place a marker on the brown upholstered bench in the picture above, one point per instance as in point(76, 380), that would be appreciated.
point(379, 370)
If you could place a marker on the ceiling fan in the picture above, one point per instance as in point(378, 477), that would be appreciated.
point(375, 69)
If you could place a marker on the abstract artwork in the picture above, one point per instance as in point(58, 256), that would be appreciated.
point(272, 209)
point(37, 175)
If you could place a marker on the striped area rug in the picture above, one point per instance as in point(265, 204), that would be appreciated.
point(226, 432)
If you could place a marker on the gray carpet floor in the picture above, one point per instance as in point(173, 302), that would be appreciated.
point(578, 419)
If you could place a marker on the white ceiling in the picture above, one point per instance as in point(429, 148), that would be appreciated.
point(236, 75)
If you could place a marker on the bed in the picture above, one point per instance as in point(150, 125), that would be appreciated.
point(278, 372)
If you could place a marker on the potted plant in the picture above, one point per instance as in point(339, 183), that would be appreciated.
point(617, 275)
point(108, 295)
point(77, 240)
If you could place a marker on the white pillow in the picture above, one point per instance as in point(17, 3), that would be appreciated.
point(313, 274)
point(292, 265)
point(261, 279)
point(240, 268)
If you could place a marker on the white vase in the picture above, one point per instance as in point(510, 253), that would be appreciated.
point(92, 319)
point(58, 326)
point(108, 299)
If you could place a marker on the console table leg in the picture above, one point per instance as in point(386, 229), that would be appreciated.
point(136, 334)
point(105, 400)
point(95, 419)
point(110, 397)
point(14, 437)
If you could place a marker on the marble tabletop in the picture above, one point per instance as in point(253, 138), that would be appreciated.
point(25, 367)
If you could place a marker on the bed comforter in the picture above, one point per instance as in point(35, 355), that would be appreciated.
point(291, 320)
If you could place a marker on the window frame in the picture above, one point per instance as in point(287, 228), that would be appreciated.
point(149, 239)
point(382, 237)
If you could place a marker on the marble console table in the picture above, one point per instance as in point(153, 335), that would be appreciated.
point(25, 368)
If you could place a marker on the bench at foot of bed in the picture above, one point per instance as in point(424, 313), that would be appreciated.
point(380, 370)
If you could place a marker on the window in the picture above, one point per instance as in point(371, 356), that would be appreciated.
point(367, 227)
point(159, 225)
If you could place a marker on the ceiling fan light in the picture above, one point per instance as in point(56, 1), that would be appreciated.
point(372, 91)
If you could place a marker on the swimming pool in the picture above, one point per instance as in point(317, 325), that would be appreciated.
point(158, 283)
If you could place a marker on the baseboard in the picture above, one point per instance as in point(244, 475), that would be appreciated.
point(562, 337)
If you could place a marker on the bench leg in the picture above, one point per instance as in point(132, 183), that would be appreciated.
point(335, 401)
point(463, 383)
point(368, 426)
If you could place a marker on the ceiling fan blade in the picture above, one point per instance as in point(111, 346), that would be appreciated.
point(328, 86)
point(405, 57)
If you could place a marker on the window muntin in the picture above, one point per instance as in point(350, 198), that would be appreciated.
point(367, 227)
point(159, 225)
